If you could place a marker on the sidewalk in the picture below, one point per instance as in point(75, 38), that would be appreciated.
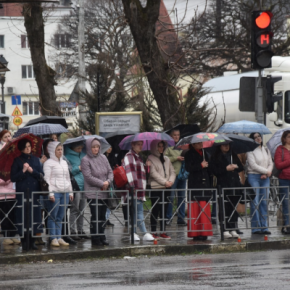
point(120, 245)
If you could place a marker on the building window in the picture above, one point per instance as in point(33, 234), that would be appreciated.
point(27, 72)
point(63, 70)
point(62, 40)
point(1, 41)
point(30, 108)
point(24, 41)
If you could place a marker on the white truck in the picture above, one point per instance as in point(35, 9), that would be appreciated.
point(224, 92)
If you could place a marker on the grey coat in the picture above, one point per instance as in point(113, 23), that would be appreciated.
point(96, 170)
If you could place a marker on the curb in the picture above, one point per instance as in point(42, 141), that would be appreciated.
point(147, 250)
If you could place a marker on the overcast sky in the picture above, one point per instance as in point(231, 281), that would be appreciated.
point(181, 7)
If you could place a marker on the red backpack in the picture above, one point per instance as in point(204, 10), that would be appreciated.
point(120, 176)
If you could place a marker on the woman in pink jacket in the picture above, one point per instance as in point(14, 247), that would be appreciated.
point(7, 201)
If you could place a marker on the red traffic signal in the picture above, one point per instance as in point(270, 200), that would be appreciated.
point(261, 39)
point(263, 20)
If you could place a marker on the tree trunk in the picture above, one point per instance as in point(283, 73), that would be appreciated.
point(142, 22)
point(44, 75)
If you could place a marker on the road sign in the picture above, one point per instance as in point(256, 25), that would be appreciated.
point(16, 100)
point(17, 121)
point(16, 112)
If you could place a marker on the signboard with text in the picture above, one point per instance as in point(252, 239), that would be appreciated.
point(118, 121)
point(27, 1)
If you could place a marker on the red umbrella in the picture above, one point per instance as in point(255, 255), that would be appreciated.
point(10, 151)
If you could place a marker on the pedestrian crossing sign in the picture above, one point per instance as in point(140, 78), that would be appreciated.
point(16, 112)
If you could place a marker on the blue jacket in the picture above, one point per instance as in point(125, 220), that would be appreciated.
point(75, 160)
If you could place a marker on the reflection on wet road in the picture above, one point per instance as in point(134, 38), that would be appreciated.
point(259, 270)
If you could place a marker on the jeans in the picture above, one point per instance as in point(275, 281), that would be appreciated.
point(259, 205)
point(108, 212)
point(98, 218)
point(284, 194)
point(140, 217)
point(76, 219)
point(178, 184)
point(56, 213)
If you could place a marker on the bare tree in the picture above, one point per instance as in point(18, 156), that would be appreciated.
point(213, 52)
point(44, 75)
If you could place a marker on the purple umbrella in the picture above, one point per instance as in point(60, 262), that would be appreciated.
point(147, 138)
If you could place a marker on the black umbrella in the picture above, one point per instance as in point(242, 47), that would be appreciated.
point(185, 129)
point(240, 144)
point(115, 138)
point(48, 119)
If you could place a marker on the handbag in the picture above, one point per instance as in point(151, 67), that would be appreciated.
point(74, 184)
point(113, 201)
point(43, 185)
point(120, 176)
point(276, 172)
point(183, 174)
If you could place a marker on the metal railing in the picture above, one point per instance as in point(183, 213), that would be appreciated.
point(12, 214)
point(198, 202)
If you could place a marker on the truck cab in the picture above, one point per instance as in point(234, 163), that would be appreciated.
point(223, 97)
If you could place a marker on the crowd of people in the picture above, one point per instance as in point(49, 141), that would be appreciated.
point(77, 178)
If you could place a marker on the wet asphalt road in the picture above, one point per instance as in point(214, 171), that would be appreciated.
point(259, 270)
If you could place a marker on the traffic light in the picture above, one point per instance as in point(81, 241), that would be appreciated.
point(270, 97)
point(261, 38)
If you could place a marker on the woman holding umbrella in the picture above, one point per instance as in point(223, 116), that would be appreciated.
point(282, 162)
point(7, 200)
point(162, 176)
point(26, 171)
point(199, 216)
point(226, 165)
point(260, 166)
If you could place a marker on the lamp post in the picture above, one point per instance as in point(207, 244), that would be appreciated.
point(3, 70)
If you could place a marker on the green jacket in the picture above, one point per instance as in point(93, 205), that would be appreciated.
point(172, 154)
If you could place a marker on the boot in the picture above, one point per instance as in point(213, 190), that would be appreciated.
point(104, 241)
point(25, 247)
point(32, 244)
point(96, 242)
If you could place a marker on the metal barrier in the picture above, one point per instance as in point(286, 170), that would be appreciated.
point(55, 227)
point(12, 214)
point(200, 199)
point(257, 207)
point(199, 204)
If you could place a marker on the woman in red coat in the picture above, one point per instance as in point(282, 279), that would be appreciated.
point(282, 162)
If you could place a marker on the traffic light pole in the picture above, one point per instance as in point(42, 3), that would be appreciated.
point(259, 100)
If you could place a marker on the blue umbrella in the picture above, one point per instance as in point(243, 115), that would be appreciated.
point(42, 129)
point(104, 144)
point(244, 127)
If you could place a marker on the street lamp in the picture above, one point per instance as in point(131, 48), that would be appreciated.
point(3, 70)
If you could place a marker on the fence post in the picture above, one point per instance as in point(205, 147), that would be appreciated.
point(132, 214)
point(28, 219)
point(221, 210)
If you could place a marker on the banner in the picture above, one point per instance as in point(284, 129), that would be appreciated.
point(117, 121)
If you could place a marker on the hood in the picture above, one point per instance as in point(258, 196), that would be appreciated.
point(89, 147)
point(69, 151)
point(154, 147)
point(51, 149)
